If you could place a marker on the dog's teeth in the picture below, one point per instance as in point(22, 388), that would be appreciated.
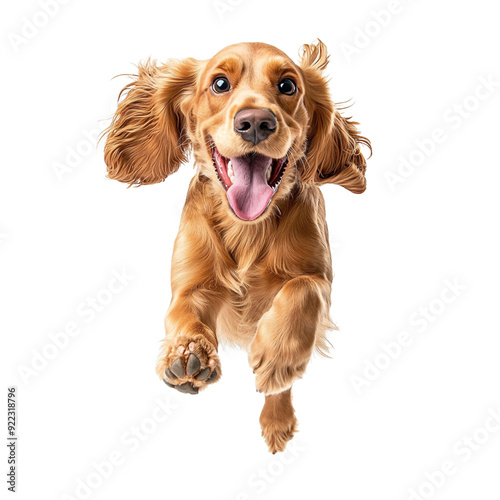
point(268, 173)
point(230, 171)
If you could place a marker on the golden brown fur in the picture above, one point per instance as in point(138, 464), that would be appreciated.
point(262, 284)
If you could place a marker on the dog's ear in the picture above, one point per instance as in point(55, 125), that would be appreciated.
point(333, 141)
point(147, 139)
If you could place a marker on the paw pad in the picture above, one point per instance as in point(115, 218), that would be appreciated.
point(187, 372)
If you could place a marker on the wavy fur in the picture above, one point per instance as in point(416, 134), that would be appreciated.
point(265, 284)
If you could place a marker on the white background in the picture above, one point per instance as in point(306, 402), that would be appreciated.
point(393, 250)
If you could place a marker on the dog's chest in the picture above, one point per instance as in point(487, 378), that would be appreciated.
point(258, 287)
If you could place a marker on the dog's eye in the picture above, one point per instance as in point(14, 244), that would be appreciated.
point(220, 85)
point(287, 86)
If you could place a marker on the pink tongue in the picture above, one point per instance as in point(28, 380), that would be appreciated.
point(250, 194)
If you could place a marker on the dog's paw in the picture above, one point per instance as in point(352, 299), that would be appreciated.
point(188, 364)
point(277, 431)
point(276, 367)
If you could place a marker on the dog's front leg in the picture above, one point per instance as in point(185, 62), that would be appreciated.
point(188, 359)
point(285, 338)
point(286, 333)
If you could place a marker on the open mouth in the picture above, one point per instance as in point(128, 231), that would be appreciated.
point(250, 181)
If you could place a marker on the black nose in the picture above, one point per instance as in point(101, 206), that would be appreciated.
point(255, 124)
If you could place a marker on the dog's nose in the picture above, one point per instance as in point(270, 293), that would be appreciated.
point(255, 124)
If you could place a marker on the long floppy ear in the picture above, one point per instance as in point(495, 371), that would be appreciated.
point(333, 141)
point(147, 139)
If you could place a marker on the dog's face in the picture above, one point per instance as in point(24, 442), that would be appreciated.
point(257, 123)
point(250, 122)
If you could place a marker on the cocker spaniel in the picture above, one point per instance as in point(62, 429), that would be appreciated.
point(251, 263)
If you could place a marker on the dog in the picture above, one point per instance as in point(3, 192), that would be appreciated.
point(251, 264)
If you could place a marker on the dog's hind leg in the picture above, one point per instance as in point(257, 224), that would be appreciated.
point(278, 421)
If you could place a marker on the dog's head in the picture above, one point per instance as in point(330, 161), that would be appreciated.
point(257, 123)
